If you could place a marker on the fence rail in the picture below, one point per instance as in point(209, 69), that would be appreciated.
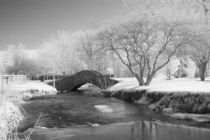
point(13, 78)
point(5, 80)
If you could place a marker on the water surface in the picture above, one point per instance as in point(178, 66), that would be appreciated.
point(140, 130)
point(77, 116)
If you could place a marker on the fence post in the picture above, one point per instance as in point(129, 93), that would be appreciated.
point(2, 85)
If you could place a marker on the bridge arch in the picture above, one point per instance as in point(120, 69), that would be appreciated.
point(70, 83)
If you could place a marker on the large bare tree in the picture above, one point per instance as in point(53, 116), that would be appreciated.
point(199, 48)
point(144, 44)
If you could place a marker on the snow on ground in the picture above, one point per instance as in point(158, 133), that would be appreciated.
point(30, 85)
point(191, 85)
point(195, 117)
point(10, 116)
point(29, 89)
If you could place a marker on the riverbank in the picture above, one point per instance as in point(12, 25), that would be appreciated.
point(12, 98)
point(188, 96)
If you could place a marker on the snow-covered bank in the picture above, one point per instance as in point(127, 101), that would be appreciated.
point(10, 116)
point(11, 100)
point(195, 117)
point(181, 85)
point(30, 89)
point(171, 96)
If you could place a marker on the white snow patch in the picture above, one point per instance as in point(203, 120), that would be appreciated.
point(92, 124)
point(104, 108)
point(10, 116)
point(195, 117)
point(191, 85)
point(29, 89)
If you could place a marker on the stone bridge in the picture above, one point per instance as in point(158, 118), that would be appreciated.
point(73, 82)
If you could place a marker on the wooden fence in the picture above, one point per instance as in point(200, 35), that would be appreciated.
point(5, 80)
point(13, 78)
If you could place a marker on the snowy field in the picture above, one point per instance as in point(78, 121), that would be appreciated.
point(28, 89)
point(32, 85)
point(176, 85)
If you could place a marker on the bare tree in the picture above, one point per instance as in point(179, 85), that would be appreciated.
point(18, 61)
point(198, 9)
point(90, 53)
point(144, 45)
point(59, 53)
point(199, 48)
point(87, 48)
point(205, 8)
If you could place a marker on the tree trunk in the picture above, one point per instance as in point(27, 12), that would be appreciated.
point(149, 78)
point(148, 81)
point(202, 70)
point(140, 81)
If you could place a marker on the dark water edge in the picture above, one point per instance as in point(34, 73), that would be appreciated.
point(73, 115)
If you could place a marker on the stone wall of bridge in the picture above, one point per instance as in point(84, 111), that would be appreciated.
point(73, 82)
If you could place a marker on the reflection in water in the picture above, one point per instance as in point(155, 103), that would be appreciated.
point(104, 108)
point(146, 130)
point(140, 130)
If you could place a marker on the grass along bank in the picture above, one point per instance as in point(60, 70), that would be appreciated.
point(12, 99)
point(180, 98)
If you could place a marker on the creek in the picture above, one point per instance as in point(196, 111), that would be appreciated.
point(80, 116)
